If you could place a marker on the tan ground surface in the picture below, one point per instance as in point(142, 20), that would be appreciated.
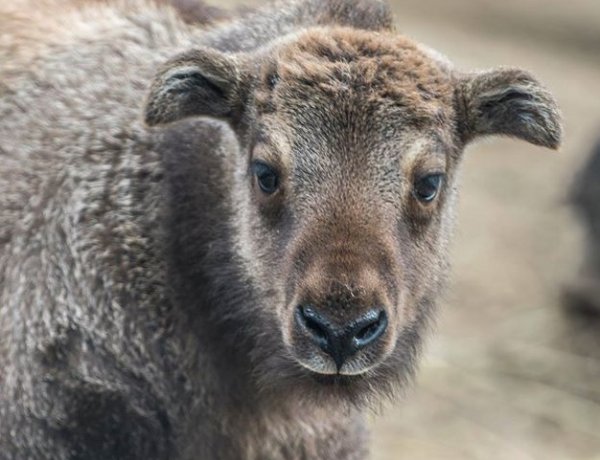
point(507, 375)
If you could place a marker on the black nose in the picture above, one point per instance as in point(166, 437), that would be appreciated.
point(341, 342)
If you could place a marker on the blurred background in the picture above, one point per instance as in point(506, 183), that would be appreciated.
point(513, 368)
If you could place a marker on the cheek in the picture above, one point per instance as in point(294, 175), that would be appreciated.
point(423, 261)
point(273, 265)
point(405, 311)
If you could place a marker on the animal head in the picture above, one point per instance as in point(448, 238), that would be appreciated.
point(349, 143)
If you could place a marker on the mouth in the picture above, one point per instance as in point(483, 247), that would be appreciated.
point(336, 380)
point(324, 367)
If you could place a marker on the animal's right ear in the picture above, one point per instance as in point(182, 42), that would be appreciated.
point(197, 82)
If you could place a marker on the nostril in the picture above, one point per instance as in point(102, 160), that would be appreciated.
point(370, 328)
point(316, 326)
point(368, 331)
point(341, 342)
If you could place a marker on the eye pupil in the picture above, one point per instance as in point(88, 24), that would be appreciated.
point(267, 178)
point(427, 187)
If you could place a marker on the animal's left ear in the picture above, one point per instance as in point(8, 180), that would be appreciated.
point(508, 102)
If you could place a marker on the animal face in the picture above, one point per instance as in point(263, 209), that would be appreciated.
point(345, 188)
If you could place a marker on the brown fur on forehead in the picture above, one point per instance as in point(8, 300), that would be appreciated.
point(383, 68)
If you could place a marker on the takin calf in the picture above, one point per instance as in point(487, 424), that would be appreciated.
point(236, 258)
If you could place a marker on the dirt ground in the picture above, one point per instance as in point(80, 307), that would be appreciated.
point(507, 375)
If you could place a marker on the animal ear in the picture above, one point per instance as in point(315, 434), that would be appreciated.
point(197, 82)
point(508, 102)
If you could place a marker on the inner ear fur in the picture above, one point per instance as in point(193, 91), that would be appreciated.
point(508, 102)
point(197, 82)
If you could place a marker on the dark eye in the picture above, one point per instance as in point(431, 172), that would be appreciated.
point(426, 188)
point(267, 178)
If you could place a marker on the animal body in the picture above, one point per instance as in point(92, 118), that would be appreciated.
point(224, 241)
point(583, 293)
